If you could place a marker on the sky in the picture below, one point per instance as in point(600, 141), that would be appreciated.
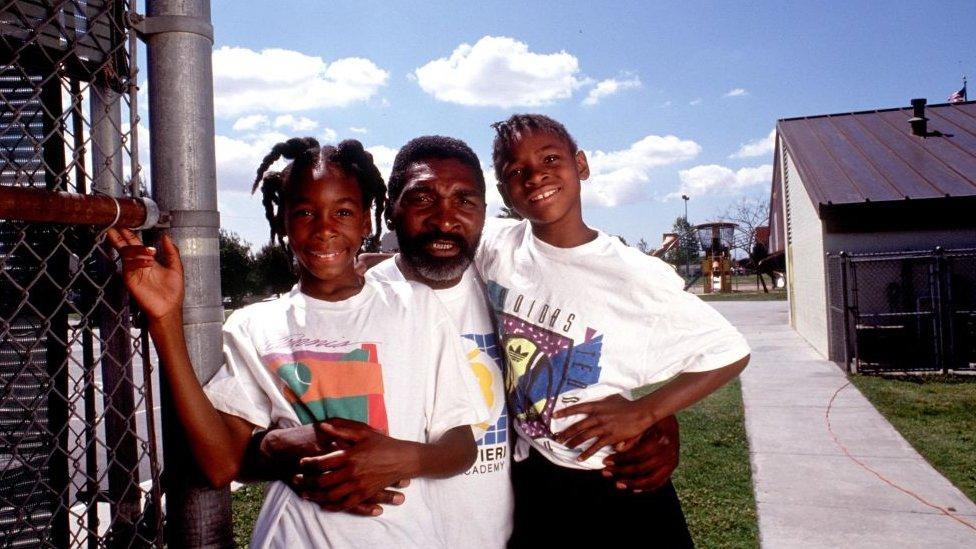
point(665, 98)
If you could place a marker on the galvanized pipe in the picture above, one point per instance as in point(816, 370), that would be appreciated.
point(184, 182)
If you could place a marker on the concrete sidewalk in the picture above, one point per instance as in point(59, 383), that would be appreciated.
point(808, 492)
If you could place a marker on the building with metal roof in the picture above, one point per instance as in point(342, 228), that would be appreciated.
point(874, 182)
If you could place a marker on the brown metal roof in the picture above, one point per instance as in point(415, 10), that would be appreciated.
point(873, 156)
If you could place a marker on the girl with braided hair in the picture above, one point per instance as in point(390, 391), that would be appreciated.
point(375, 370)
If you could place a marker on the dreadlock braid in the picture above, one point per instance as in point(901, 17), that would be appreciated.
point(306, 155)
point(354, 160)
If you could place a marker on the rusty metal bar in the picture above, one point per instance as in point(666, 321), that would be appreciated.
point(42, 206)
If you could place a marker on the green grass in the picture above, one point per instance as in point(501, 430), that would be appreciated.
point(773, 295)
point(245, 505)
point(937, 415)
point(714, 479)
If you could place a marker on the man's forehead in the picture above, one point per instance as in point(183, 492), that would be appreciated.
point(443, 170)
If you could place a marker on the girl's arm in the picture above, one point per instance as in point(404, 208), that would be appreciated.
point(616, 421)
point(372, 461)
point(155, 279)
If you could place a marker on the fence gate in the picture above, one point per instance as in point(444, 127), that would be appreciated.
point(911, 311)
point(78, 414)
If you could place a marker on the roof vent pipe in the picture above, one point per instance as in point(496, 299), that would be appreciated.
point(918, 121)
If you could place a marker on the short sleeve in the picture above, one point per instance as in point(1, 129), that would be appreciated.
point(688, 335)
point(453, 395)
point(234, 389)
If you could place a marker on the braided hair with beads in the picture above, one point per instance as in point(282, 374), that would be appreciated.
point(306, 155)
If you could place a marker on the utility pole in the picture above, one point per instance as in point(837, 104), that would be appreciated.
point(179, 39)
point(681, 244)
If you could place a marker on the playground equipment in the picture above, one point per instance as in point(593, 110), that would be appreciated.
point(668, 241)
point(716, 242)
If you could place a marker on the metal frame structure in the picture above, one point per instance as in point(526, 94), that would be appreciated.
point(77, 392)
point(903, 312)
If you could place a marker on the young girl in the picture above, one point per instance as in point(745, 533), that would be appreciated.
point(381, 363)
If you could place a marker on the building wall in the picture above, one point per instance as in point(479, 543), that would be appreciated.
point(805, 260)
point(899, 241)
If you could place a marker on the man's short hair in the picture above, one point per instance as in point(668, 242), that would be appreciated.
point(425, 148)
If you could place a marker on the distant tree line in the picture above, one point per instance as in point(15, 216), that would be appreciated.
point(244, 274)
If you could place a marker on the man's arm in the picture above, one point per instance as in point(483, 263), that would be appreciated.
point(650, 462)
point(372, 461)
point(275, 455)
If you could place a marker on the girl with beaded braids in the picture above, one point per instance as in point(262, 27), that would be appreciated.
point(305, 153)
point(374, 371)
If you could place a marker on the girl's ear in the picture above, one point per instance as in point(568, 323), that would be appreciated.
point(582, 166)
point(367, 226)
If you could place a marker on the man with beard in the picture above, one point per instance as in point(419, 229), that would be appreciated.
point(436, 206)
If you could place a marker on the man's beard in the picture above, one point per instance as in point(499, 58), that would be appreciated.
point(437, 269)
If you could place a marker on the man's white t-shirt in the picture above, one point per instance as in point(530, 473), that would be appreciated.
point(388, 356)
point(579, 324)
point(474, 508)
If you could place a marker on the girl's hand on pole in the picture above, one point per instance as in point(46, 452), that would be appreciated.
point(153, 276)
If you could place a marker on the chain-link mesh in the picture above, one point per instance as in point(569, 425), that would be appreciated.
point(78, 422)
point(911, 311)
point(960, 268)
point(837, 309)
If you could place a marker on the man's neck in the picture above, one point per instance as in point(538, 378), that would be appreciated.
point(410, 274)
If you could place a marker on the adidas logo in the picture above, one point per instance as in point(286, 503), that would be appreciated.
point(516, 354)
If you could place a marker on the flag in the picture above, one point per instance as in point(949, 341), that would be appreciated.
point(959, 96)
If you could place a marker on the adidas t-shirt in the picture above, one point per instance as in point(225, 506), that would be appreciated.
point(579, 324)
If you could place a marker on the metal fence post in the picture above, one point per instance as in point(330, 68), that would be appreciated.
point(846, 310)
point(184, 183)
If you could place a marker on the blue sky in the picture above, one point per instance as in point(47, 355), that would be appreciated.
point(665, 98)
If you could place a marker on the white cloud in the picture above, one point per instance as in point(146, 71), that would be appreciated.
point(695, 101)
point(238, 159)
point(251, 122)
point(618, 177)
point(609, 87)
point(736, 92)
point(328, 135)
point(298, 124)
point(279, 80)
point(763, 146)
point(715, 179)
point(355, 129)
point(500, 72)
point(383, 158)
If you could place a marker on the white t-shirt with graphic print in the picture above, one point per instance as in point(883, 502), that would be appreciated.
point(475, 507)
point(579, 324)
point(388, 356)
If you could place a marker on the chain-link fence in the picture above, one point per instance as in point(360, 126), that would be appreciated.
point(78, 417)
point(912, 311)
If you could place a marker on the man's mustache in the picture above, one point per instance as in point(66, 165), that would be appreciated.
point(427, 238)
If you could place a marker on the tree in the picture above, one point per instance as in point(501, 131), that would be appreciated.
point(643, 246)
point(236, 263)
point(686, 251)
point(272, 270)
point(749, 214)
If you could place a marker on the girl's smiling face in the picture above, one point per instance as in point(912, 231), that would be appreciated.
point(326, 222)
point(542, 179)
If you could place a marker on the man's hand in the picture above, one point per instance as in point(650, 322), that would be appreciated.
point(280, 450)
point(651, 461)
point(612, 421)
point(359, 473)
